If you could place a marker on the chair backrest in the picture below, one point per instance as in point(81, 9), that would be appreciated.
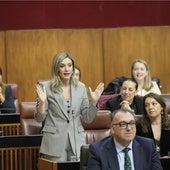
point(103, 99)
point(29, 125)
point(84, 154)
point(138, 118)
point(166, 98)
point(99, 128)
point(157, 80)
point(114, 86)
point(14, 88)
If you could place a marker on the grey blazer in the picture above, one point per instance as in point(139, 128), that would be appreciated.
point(59, 125)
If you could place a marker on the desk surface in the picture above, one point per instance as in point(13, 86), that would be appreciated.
point(69, 166)
point(10, 118)
point(20, 141)
point(165, 163)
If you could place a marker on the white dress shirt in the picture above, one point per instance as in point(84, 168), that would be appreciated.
point(121, 154)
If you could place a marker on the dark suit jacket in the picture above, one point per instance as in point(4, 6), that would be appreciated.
point(114, 104)
point(103, 155)
point(164, 140)
point(8, 105)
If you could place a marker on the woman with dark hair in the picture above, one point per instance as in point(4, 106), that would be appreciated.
point(155, 123)
point(6, 97)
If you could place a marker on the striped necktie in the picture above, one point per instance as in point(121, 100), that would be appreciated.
point(127, 162)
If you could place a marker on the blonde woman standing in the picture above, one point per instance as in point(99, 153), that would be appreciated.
point(61, 103)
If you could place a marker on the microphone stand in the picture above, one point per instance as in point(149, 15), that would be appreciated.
point(74, 129)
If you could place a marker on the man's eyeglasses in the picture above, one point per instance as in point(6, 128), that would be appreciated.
point(123, 124)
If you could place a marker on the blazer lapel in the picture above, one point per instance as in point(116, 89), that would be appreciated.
point(112, 155)
point(137, 150)
point(59, 100)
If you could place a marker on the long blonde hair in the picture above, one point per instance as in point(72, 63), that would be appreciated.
point(56, 83)
point(3, 87)
point(148, 79)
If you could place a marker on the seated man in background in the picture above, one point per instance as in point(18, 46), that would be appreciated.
point(127, 98)
point(6, 97)
point(123, 150)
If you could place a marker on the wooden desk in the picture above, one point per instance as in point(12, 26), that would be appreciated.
point(165, 163)
point(19, 152)
point(10, 124)
point(44, 164)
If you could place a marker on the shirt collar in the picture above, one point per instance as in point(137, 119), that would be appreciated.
point(120, 147)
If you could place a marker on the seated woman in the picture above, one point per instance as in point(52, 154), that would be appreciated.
point(6, 97)
point(155, 123)
point(140, 72)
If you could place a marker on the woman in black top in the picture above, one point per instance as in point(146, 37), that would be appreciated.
point(155, 123)
point(6, 97)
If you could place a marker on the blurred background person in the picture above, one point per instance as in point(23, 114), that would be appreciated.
point(6, 97)
point(77, 73)
point(140, 72)
point(155, 123)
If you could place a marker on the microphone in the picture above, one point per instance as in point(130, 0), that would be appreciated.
point(74, 158)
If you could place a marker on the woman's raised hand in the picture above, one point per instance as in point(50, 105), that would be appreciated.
point(95, 95)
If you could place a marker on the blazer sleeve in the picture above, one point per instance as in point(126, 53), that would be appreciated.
point(113, 104)
point(93, 159)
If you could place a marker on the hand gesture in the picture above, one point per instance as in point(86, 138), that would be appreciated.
point(125, 105)
point(41, 92)
point(97, 93)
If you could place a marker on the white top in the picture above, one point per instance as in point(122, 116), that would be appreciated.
point(154, 89)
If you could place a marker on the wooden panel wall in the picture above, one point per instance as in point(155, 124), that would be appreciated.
point(123, 45)
point(2, 54)
point(102, 54)
point(29, 56)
